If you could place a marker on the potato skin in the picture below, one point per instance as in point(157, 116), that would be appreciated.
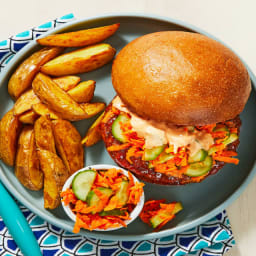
point(29, 117)
point(56, 99)
point(83, 92)
point(67, 82)
point(93, 109)
point(25, 102)
point(68, 143)
point(27, 168)
point(93, 134)
point(55, 175)
point(80, 38)
point(10, 127)
point(44, 134)
point(42, 110)
point(80, 61)
point(22, 78)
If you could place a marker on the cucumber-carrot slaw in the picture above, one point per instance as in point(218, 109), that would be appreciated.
point(102, 199)
point(157, 213)
point(165, 159)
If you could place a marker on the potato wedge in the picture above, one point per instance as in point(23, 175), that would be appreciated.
point(42, 110)
point(67, 82)
point(80, 38)
point(10, 128)
point(56, 99)
point(93, 109)
point(68, 144)
point(22, 78)
point(27, 168)
point(80, 61)
point(83, 92)
point(44, 134)
point(28, 117)
point(93, 134)
point(25, 102)
point(55, 175)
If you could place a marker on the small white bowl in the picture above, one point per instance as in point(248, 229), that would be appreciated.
point(133, 215)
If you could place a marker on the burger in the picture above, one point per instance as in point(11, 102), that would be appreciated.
point(175, 119)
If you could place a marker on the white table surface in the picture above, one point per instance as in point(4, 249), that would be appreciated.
point(232, 21)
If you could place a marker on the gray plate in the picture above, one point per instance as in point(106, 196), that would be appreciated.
point(201, 201)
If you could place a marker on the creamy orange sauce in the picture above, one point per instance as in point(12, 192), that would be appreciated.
point(157, 134)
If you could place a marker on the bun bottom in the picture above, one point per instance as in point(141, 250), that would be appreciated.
point(140, 167)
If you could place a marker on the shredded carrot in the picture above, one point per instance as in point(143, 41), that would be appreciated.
point(209, 128)
point(113, 204)
point(155, 207)
point(169, 149)
point(68, 196)
point(227, 159)
point(219, 134)
point(108, 115)
point(228, 153)
point(169, 207)
point(118, 147)
point(135, 193)
point(103, 200)
point(233, 130)
point(164, 223)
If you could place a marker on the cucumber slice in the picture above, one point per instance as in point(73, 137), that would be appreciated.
point(121, 194)
point(159, 218)
point(116, 128)
point(153, 153)
point(198, 157)
point(164, 157)
point(191, 128)
point(114, 212)
point(199, 168)
point(92, 199)
point(150, 165)
point(232, 137)
point(82, 183)
point(212, 150)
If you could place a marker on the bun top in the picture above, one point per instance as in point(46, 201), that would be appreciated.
point(181, 78)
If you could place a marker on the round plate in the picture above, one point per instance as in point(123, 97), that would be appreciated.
point(201, 201)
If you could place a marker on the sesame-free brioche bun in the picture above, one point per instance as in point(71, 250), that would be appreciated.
point(181, 78)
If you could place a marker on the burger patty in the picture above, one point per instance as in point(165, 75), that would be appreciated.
point(140, 167)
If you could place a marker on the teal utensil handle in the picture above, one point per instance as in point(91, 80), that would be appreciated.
point(17, 224)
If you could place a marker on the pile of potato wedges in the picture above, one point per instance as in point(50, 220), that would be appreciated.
point(36, 135)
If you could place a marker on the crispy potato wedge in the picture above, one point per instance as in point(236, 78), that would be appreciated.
point(25, 102)
point(28, 117)
point(27, 168)
point(22, 78)
point(68, 143)
point(10, 127)
point(80, 61)
point(80, 38)
point(67, 82)
point(56, 99)
point(44, 134)
point(55, 175)
point(93, 109)
point(42, 110)
point(83, 92)
point(93, 134)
